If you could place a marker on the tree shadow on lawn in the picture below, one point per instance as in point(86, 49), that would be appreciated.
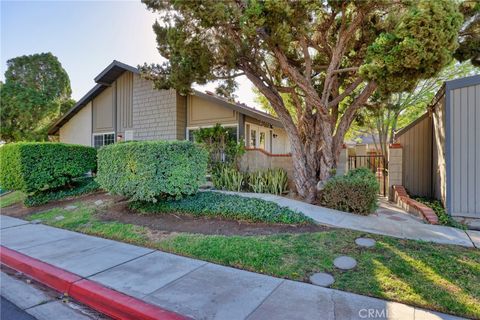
point(418, 274)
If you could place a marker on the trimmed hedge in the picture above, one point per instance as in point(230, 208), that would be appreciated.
point(38, 166)
point(152, 170)
point(354, 192)
point(227, 206)
point(80, 186)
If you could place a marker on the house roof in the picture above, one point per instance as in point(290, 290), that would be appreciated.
point(115, 69)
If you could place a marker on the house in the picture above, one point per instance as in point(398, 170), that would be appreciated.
point(441, 150)
point(123, 106)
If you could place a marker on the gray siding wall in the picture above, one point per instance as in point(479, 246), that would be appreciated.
point(464, 148)
point(417, 158)
point(154, 111)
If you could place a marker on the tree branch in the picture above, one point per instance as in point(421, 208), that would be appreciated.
point(346, 92)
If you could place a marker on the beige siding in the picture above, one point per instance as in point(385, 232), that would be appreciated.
point(124, 102)
point(438, 161)
point(417, 158)
point(205, 113)
point(465, 152)
point(103, 111)
point(280, 143)
point(181, 116)
point(78, 130)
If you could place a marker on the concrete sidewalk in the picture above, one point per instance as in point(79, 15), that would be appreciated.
point(381, 222)
point(192, 287)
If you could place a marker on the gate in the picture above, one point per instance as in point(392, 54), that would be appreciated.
point(376, 163)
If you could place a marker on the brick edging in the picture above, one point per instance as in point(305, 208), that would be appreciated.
point(402, 198)
point(105, 300)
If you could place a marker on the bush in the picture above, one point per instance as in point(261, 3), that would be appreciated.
point(443, 217)
point(354, 192)
point(80, 186)
point(152, 170)
point(274, 181)
point(225, 206)
point(38, 166)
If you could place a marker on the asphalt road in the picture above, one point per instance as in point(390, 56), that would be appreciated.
point(9, 311)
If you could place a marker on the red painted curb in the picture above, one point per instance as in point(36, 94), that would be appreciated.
point(105, 300)
point(45, 273)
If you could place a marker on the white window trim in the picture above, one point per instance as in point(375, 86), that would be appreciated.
point(102, 134)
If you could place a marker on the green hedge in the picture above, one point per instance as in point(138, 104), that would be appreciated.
point(79, 187)
point(354, 192)
point(152, 170)
point(38, 166)
point(227, 206)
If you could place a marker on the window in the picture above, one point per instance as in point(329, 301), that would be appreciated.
point(253, 138)
point(103, 139)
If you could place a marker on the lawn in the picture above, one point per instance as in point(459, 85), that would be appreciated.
point(11, 198)
point(436, 277)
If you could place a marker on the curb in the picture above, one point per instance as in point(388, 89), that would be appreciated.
point(105, 300)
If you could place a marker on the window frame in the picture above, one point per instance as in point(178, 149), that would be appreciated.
point(102, 134)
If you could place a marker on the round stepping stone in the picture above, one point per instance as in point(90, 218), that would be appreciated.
point(345, 262)
point(365, 242)
point(322, 279)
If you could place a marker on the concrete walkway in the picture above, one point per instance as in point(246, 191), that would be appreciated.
point(388, 220)
point(192, 287)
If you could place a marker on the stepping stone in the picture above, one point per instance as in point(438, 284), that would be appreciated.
point(322, 279)
point(365, 242)
point(98, 202)
point(71, 207)
point(36, 221)
point(345, 263)
point(58, 218)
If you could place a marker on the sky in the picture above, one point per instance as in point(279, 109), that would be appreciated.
point(86, 36)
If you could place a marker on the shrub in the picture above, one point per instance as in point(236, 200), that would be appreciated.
point(443, 217)
point(225, 206)
point(228, 178)
point(38, 166)
point(79, 187)
point(152, 170)
point(274, 181)
point(354, 192)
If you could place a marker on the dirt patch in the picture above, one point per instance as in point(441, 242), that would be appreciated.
point(163, 225)
point(167, 223)
point(18, 210)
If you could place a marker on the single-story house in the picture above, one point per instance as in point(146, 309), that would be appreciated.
point(123, 106)
point(441, 150)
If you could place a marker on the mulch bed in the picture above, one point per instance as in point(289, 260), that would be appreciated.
point(117, 210)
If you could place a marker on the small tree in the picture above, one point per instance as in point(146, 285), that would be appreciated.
point(36, 91)
point(329, 57)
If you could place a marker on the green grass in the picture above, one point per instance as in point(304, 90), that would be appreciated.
point(225, 206)
point(437, 277)
point(11, 198)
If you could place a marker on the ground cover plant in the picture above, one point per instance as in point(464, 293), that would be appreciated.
point(354, 192)
point(152, 170)
point(78, 187)
point(432, 276)
point(225, 206)
point(443, 217)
